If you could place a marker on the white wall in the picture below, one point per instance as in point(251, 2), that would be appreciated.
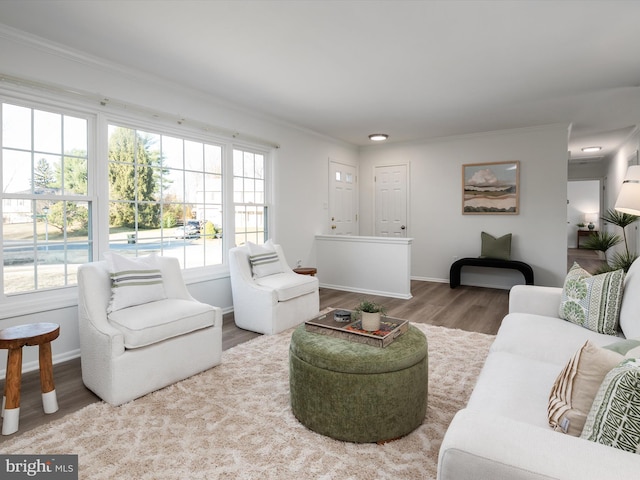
point(300, 169)
point(439, 229)
point(346, 264)
point(301, 181)
point(587, 170)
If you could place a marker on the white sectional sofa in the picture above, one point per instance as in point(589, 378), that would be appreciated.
point(504, 431)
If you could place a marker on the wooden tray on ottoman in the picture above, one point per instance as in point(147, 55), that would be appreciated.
point(325, 324)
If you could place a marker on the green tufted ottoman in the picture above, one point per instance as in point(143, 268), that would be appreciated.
point(355, 392)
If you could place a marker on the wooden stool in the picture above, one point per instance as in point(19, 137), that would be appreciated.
point(306, 271)
point(13, 339)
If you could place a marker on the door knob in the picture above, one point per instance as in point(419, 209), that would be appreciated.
point(333, 227)
point(402, 227)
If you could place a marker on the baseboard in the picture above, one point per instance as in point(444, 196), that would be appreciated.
point(446, 280)
point(429, 279)
point(367, 292)
point(34, 365)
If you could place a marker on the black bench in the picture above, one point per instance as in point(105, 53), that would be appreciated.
point(454, 272)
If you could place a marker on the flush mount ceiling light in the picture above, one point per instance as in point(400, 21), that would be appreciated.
point(591, 149)
point(378, 137)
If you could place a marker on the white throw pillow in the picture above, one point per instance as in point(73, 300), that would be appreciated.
point(264, 259)
point(575, 388)
point(629, 317)
point(134, 280)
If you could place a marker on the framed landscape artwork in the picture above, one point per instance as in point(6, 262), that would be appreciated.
point(491, 188)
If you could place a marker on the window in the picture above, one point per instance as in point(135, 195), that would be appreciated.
point(165, 196)
point(165, 188)
point(46, 209)
point(249, 197)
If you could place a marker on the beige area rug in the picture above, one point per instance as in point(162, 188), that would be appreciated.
point(234, 422)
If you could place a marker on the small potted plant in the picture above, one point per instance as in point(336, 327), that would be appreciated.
point(370, 313)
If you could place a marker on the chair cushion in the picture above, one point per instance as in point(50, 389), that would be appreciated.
point(547, 339)
point(515, 387)
point(157, 321)
point(289, 285)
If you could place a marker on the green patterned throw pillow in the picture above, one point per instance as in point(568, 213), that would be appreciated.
point(624, 346)
point(614, 418)
point(592, 301)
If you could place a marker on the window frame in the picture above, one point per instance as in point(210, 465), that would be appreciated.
point(183, 135)
point(98, 186)
point(267, 201)
point(57, 108)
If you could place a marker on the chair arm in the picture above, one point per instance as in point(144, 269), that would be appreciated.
point(249, 290)
point(218, 319)
point(94, 291)
point(519, 451)
point(100, 337)
point(535, 299)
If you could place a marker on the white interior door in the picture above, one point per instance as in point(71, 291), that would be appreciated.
point(343, 189)
point(391, 200)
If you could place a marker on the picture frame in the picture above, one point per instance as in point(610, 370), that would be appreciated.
point(491, 188)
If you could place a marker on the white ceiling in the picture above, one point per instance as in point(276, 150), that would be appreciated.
point(412, 69)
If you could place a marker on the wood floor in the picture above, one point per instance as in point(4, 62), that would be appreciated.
point(587, 259)
point(467, 308)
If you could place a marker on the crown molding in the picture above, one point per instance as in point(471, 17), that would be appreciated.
point(69, 54)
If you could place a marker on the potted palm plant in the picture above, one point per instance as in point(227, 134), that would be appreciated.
point(370, 313)
point(603, 241)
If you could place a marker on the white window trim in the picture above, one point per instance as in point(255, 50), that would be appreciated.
point(35, 94)
point(268, 183)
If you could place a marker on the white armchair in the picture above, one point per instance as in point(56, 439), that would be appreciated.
point(272, 303)
point(139, 349)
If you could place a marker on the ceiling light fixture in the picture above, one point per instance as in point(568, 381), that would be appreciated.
point(591, 149)
point(378, 137)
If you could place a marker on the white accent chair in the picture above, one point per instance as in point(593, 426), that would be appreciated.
point(140, 349)
point(273, 303)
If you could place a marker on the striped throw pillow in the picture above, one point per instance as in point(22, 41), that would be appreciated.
point(264, 259)
point(134, 281)
point(614, 418)
point(575, 388)
point(594, 301)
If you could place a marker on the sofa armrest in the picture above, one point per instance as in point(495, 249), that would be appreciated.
point(535, 299)
point(479, 445)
